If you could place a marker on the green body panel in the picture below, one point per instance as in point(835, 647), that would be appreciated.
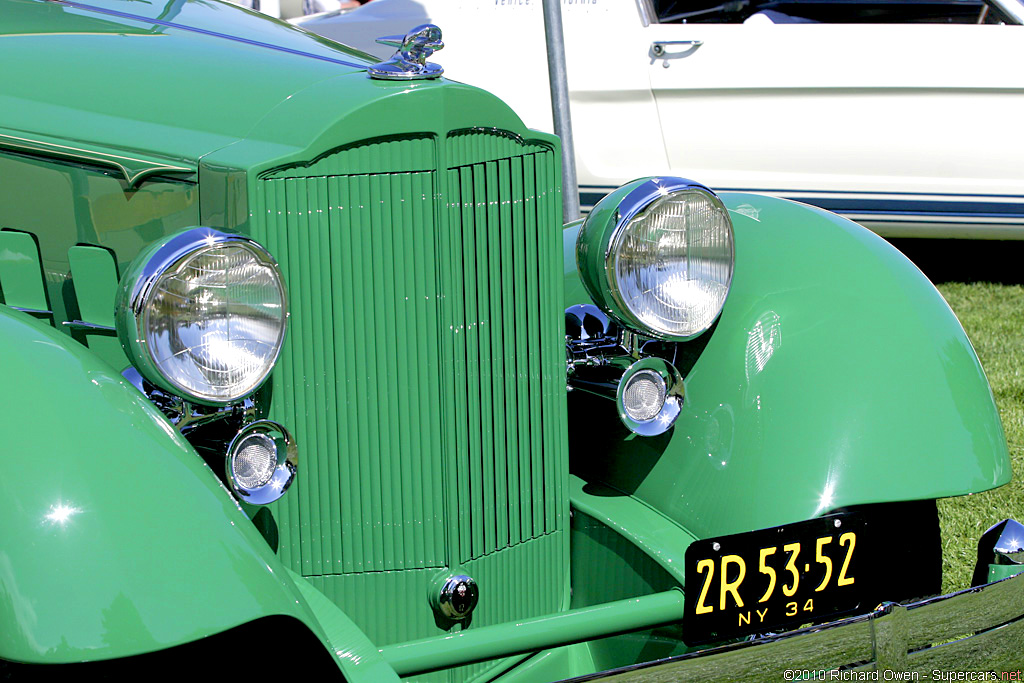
point(836, 376)
point(21, 273)
point(70, 207)
point(178, 94)
point(552, 665)
point(94, 273)
point(623, 548)
point(94, 565)
point(224, 19)
point(998, 572)
point(360, 659)
point(94, 277)
point(649, 531)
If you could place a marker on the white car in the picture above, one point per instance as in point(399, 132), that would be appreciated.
point(904, 115)
point(288, 9)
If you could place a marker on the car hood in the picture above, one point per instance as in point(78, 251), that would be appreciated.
point(174, 78)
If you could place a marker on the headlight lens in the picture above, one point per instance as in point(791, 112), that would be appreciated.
point(643, 395)
point(203, 315)
point(657, 254)
point(254, 460)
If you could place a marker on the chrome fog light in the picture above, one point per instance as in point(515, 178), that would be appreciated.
point(254, 461)
point(643, 396)
point(261, 462)
point(650, 396)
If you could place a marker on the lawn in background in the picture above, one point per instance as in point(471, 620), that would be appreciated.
point(983, 282)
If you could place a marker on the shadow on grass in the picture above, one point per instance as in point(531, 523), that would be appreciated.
point(998, 261)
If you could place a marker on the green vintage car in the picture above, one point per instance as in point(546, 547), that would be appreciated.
point(302, 373)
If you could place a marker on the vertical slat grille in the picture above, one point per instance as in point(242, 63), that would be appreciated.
point(422, 372)
point(359, 377)
point(504, 403)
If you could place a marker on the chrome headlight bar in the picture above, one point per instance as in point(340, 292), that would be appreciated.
point(657, 257)
point(615, 363)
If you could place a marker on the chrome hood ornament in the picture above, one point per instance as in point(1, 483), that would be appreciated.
point(410, 61)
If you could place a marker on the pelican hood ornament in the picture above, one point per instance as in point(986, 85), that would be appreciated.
point(410, 60)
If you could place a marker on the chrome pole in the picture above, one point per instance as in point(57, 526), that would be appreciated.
point(558, 78)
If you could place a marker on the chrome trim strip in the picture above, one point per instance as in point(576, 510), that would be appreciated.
point(909, 206)
point(492, 130)
point(90, 327)
point(132, 168)
point(944, 197)
point(895, 206)
point(37, 312)
point(953, 197)
point(921, 217)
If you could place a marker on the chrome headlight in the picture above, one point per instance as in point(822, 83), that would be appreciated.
point(657, 255)
point(202, 315)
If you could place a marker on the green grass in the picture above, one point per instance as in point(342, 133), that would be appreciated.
point(993, 316)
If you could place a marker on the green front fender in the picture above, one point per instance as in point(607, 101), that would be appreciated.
point(117, 539)
point(836, 376)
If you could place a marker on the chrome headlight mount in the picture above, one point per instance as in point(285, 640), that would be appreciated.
point(202, 314)
point(617, 364)
point(657, 256)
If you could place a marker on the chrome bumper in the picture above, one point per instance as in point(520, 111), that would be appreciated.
point(975, 630)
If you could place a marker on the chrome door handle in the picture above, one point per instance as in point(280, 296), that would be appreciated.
point(658, 46)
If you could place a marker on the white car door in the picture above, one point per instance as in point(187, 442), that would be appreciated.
point(862, 116)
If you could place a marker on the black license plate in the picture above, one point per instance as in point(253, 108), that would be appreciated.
point(761, 581)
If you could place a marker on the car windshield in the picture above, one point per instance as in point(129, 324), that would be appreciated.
point(829, 11)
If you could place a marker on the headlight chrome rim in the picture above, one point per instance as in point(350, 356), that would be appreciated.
point(663, 420)
point(623, 206)
point(139, 285)
point(284, 472)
